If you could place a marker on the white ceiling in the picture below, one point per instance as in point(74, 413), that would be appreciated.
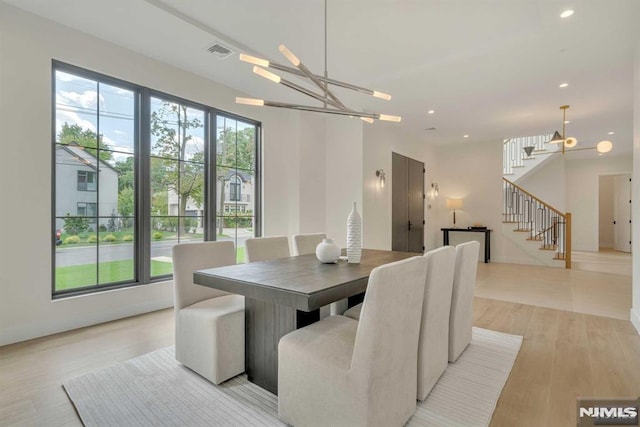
point(489, 68)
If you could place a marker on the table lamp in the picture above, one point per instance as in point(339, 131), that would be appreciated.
point(454, 204)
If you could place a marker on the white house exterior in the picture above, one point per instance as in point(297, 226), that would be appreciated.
point(238, 197)
point(80, 177)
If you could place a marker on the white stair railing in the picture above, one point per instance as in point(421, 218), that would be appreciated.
point(513, 154)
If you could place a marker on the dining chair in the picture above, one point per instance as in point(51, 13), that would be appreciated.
point(461, 315)
point(433, 350)
point(266, 248)
point(209, 323)
point(304, 244)
point(433, 347)
point(341, 372)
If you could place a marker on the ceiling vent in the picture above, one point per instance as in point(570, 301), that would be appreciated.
point(220, 51)
point(430, 129)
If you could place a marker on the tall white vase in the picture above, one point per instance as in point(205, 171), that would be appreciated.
point(354, 236)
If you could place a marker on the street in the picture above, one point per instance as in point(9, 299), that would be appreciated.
point(70, 255)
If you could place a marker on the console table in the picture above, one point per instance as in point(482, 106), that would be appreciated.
point(485, 231)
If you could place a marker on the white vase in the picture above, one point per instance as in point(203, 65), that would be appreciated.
point(354, 236)
point(327, 251)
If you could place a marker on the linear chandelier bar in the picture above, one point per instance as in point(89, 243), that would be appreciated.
point(346, 112)
point(328, 98)
point(310, 93)
point(307, 73)
point(270, 64)
point(277, 79)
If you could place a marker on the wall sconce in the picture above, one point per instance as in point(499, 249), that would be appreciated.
point(381, 177)
point(434, 190)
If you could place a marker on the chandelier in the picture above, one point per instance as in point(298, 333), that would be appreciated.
point(330, 102)
point(569, 142)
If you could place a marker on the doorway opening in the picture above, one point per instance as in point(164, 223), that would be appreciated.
point(614, 231)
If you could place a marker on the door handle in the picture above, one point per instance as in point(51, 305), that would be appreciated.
point(409, 225)
point(614, 222)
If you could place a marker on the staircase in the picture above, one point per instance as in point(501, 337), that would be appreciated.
point(539, 229)
point(515, 161)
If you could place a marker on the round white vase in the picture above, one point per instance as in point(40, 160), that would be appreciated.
point(354, 236)
point(327, 251)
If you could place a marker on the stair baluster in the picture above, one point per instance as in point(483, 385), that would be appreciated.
point(541, 221)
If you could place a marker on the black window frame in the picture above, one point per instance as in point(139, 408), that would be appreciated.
point(142, 159)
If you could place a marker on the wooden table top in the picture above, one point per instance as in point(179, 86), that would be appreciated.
point(300, 282)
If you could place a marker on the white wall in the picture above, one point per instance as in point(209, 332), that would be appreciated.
point(312, 186)
point(546, 182)
point(605, 211)
point(582, 195)
point(635, 210)
point(343, 178)
point(380, 140)
point(473, 172)
point(292, 147)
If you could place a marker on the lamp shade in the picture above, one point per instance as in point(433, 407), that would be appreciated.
point(528, 150)
point(604, 146)
point(454, 204)
point(556, 138)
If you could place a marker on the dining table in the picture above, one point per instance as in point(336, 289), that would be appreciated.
point(286, 294)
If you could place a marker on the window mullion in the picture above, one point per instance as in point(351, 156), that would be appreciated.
point(209, 205)
point(143, 216)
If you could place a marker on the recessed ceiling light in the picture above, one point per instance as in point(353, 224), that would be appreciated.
point(430, 111)
point(564, 84)
point(567, 13)
point(566, 122)
point(466, 136)
point(611, 133)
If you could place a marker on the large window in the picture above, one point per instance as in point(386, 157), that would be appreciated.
point(235, 180)
point(137, 171)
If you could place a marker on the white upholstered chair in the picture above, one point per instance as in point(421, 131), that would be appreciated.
point(354, 312)
point(266, 248)
point(209, 322)
point(340, 372)
point(433, 350)
point(464, 282)
point(433, 347)
point(304, 244)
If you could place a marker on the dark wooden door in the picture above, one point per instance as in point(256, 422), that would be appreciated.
point(407, 198)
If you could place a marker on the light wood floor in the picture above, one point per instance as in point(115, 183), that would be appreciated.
point(601, 294)
point(564, 355)
point(606, 260)
point(31, 373)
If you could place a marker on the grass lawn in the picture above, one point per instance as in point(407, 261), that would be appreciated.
point(76, 276)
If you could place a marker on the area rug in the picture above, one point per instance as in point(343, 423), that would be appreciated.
point(156, 390)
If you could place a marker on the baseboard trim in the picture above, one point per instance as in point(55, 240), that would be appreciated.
point(145, 302)
point(635, 319)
